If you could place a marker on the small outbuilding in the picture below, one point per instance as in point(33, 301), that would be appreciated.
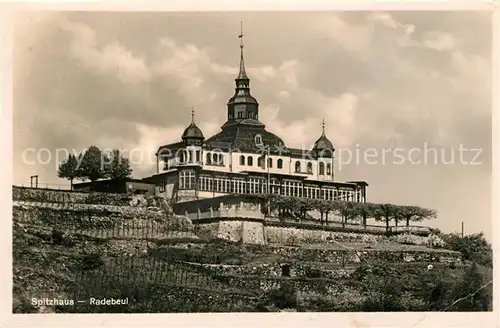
point(117, 186)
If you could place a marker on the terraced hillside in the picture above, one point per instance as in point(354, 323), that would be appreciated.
point(79, 246)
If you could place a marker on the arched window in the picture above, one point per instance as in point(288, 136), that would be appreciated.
point(209, 159)
point(221, 159)
point(270, 162)
point(321, 168)
point(215, 159)
point(249, 160)
point(309, 167)
point(260, 162)
point(280, 163)
point(242, 160)
point(328, 169)
point(182, 156)
point(297, 166)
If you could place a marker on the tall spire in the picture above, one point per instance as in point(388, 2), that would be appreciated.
point(192, 114)
point(242, 74)
point(323, 126)
point(242, 107)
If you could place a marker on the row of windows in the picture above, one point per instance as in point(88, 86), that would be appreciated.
point(222, 185)
point(298, 168)
point(241, 114)
point(190, 156)
point(187, 180)
point(218, 159)
point(248, 161)
point(214, 159)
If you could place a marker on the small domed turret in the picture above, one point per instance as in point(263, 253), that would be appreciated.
point(323, 146)
point(192, 134)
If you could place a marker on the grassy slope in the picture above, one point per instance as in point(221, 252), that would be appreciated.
point(48, 264)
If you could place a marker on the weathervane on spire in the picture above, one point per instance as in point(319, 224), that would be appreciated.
point(323, 125)
point(241, 34)
point(242, 74)
point(192, 114)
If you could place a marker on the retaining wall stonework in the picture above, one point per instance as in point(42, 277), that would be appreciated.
point(274, 269)
point(323, 286)
point(249, 232)
point(347, 256)
point(261, 231)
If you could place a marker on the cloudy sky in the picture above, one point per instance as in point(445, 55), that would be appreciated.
point(381, 80)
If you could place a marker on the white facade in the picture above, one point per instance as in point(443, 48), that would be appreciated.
point(321, 169)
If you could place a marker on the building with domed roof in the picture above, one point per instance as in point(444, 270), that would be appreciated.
point(245, 158)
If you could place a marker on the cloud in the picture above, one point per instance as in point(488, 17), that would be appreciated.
point(112, 58)
point(440, 41)
point(354, 38)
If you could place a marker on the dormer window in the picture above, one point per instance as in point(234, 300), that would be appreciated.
point(258, 140)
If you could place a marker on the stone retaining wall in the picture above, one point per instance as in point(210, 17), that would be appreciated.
point(249, 232)
point(264, 284)
point(261, 231)
point(274, 269)
point(347, 256)
point(98, 221)
point(96, 198)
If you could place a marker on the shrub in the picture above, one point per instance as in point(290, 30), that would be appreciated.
point(473, 247)
point(408, 239)
point(313, 273)
point(353, 236)
point(367, 238)
point(97, 198)
point(435, 231)
point(348, 299)
point(91, 261)
point(477, 295)
point(408, 302)
point(435, 241)
point(283, 297)
point(292, 241)
point(23, 305)
point(57, 236)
